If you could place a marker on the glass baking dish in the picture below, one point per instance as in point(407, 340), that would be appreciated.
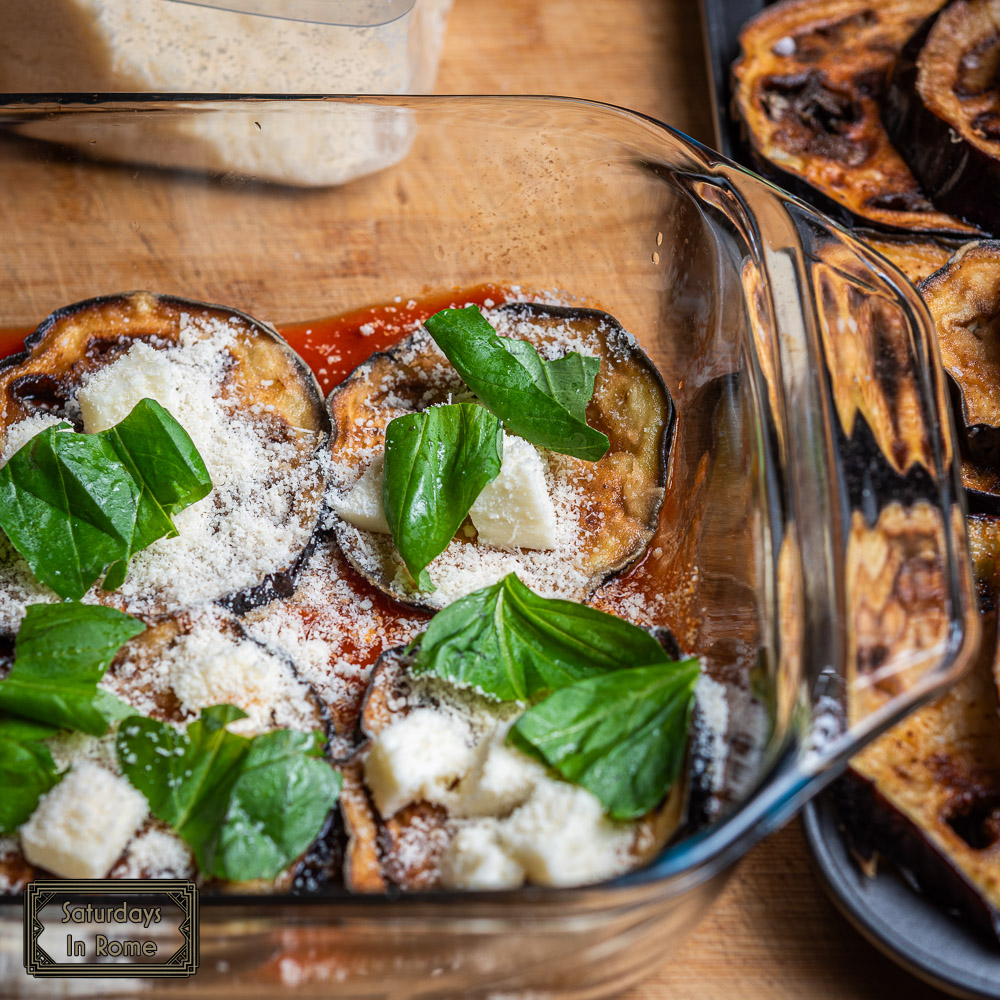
point(813, 486)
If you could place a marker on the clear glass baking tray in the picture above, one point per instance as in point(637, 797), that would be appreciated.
point(813, 485)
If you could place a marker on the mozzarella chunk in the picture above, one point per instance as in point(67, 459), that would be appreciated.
point(111, 393)
point(561, 836)
point(475, 859)
point(362, 505)
point(82, 825)
point(515, 509)
point(500, 779)
point(417, 759)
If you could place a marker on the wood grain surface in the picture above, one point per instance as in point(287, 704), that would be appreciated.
point(773, 933)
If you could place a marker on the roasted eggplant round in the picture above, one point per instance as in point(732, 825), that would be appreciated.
point(405, 850)
point(606, 511)
point(251, 406)
point(190, 661)
point(964, 300)
point(807, 88)
point(942, 109)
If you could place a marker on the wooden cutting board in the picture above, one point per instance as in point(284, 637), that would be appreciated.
point(773, 933)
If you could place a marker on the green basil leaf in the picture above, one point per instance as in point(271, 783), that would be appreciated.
point(111, 707)
point(569, 380)
point(620, 735)
point(437, 462)
point(27, 772)
point(60, 654)
point(545, 405)
point(246, 807)
point(75, 504)
point(19, 730)
point(186, 776)
point(165, 465)
point(68, 506)
point(513, 645)
point(278, 804)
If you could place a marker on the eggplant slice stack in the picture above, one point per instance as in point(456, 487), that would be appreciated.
point(258, 419)
point(807, 90)
point(888, 115)
point(270, 468)
point(927, 793)
point(621, 494)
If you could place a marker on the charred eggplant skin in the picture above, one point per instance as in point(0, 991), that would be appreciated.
point(956, 173)
point(875, 826)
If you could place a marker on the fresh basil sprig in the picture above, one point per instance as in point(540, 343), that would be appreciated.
point(513, 645)
point(437, 462)
point(620, 735)
point(60, 654)
point(246, 807)
point(542, 401)
point(77, 505)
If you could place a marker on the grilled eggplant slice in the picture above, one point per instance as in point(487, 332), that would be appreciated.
point(170, 669)
point(260, 391)
point(184, 656)
point(807, 88)
point(918, 257)
point(168, 673)
point(607, 511)
point(927, 793)
point(404, 851)
point(964, 299)
point(942, 109)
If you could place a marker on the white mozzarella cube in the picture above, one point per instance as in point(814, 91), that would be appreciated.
point(500, 779)
point(417, 759)
point(81, 826)
point(515, 509)
point(111, 393)
point(475, 859)
point(362, 505)
point(561, 836)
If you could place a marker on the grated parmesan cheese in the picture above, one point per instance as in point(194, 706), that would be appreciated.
point(211, 663)
point(156, 852)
